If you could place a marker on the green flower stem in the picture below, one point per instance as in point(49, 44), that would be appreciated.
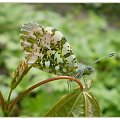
point(41, 83)
point(9, 96)
point(2, 102)
point(16, 83)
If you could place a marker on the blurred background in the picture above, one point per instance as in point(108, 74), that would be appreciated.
point(93, 30)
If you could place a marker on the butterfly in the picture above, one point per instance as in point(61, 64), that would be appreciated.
point(52, 51)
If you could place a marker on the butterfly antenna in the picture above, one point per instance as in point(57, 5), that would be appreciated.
point(109, 55)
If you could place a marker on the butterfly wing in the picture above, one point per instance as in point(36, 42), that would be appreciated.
point(52, 49)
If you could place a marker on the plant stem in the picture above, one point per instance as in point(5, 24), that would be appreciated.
point(39, 84)
point(9, 96)
point(2, 102)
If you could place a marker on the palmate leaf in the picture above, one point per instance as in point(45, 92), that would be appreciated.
point(76, 104)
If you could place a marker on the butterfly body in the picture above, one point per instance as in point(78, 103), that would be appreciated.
point(84, 70)
point(53, 52)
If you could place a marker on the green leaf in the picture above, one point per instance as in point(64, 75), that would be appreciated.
point(77, 103)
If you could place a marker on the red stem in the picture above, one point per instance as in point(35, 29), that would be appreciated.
point(2, 102)
point(41, 83)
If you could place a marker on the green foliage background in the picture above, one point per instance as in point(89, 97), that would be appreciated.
point(93, 30)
